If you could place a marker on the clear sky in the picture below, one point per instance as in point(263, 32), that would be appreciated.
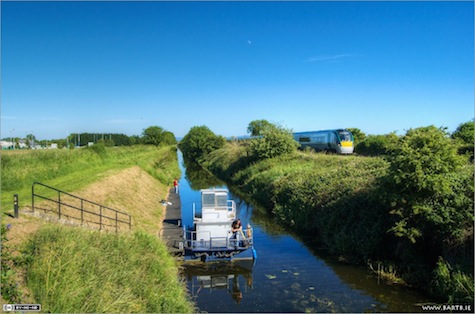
point(120, 67)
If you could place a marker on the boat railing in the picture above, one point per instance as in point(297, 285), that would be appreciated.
point(242, 240)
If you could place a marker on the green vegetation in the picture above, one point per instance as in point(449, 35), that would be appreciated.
point(156, 135)
point(376, 145)
point(358, 135)
point(411, 206)
point(199, 142)
point(464, 135)
point(273, 141)
point(9, 287)
point(70, 170)
point(70, 269)
point(258, 127)
point(74, 270)
point(149, 137)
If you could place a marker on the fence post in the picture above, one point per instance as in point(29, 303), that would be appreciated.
point(33, 197)
point(100, 218)
point(130, 222)
point(59, 204)
point(15, 205)
point(82, 211)
point(116, 222)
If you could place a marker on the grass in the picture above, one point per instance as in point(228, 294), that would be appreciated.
point(71, 170)
point(70, 269)
point(344, 203)
point(76, 270)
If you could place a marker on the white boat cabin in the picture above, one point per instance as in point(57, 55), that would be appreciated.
point(217, 215)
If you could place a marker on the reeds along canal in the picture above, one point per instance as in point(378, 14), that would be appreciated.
point(287, 276)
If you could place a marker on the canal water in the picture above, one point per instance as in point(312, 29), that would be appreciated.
point(287, 276)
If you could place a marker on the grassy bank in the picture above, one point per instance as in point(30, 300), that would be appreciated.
point(347, 204)
point(74, 270)
point(71, 170)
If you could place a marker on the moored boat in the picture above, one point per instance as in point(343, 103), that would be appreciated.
point(212, 236)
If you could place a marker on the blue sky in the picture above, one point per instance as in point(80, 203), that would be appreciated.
point(120, 67)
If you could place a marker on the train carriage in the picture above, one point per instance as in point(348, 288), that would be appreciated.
point(339, 141)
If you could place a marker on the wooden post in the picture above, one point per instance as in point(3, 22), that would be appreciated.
point(15, 205)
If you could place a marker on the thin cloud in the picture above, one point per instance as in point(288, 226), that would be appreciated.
point(329, 58)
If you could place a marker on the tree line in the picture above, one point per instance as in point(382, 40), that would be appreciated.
point(153, 135)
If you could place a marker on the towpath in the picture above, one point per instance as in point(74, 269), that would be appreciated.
point(172, 230)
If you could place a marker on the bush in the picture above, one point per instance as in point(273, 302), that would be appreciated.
point(376, 145)
point(199, 142)
point(275, 141)
point(432, 196)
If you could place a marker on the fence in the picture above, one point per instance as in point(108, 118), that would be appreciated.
point(76, 208)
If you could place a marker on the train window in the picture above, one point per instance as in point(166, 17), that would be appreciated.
point(320, 139)
point(345, 136)
point(304, 139)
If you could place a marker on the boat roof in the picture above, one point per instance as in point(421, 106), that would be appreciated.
point(220, 190)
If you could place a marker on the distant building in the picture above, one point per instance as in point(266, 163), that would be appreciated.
point(6, 144)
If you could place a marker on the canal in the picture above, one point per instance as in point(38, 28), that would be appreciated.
point(288, 275)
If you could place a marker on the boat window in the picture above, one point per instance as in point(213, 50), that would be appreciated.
point(215, 200)
point(221, 200)
point(208, 200)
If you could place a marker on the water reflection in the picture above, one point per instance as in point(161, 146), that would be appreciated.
point(198, 178)
point(233, 277)
point(289, 274)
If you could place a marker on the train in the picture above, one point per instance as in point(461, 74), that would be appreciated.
point(338, 141)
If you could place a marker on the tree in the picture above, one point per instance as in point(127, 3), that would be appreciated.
point(464, 135)
point(30, 140)
point(199, 142)
point(274, 141)
point(258, 127)
point(153, 135)
point(465, 132)
point(168, 138)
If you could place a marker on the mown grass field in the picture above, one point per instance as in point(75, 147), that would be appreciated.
point(73, 269)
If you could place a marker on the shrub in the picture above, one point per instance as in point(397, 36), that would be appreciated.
point(375, 145)
point(425, 175)
point(199, 142)
point(275, 141)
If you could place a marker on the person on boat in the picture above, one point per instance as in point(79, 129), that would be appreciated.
point(236, 227)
